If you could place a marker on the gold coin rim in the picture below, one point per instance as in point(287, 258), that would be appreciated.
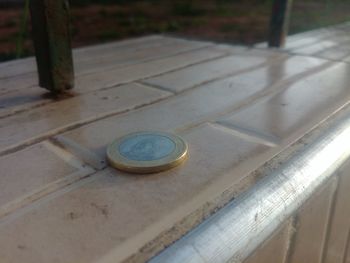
point(142, 167)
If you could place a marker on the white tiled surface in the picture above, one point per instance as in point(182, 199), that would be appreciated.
point(236, 107)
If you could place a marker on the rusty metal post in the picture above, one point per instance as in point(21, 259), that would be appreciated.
point(52, 42)
point(279, 22)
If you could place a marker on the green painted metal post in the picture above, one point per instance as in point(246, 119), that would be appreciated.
point(279, 22)
point(52, 42)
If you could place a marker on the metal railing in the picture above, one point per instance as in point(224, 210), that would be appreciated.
point(279, 22)
point(52, 43)
point(52, 40)
point(238, 229)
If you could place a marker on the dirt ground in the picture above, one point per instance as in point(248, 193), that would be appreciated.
point(243, 22)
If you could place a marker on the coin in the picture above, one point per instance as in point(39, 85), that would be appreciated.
point(147, 152)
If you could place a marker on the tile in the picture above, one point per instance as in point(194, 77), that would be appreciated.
point(336, 53)
point(315, 48)
point(16, 67)
point(26, 65)
point(113, 215)
point(110, 78)
point(198, 105)
point(178, 111)
point(312, 39)
point(321, 33)
point(107, 57)
point(311, 229)
point(198, 74)
point(115, 73)
point(305, 102)
point(16, 101)
point(60, 115)
point(16, 95)
point(340, 224)
point(300, 43)
point(273, 249)
point(16, 83)
point(127, 45)
point(267, 53)
point(232, 49)
point(341, 38)
point(22, 66)
point(118, 213)
point(117, 58)
point(32, 172)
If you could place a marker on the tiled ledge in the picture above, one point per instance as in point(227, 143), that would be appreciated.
point(236, 107)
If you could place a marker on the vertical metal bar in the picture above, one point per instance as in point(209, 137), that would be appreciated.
point(52, 42)
point(23, 29)
point(279, 22)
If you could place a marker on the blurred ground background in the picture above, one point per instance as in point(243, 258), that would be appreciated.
point(233, 21)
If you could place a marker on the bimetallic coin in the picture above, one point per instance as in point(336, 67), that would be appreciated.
point(147, 152)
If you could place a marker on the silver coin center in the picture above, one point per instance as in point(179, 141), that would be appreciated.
point(146, 147)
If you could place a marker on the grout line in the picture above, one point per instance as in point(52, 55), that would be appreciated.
point(140, 45)
point(154, 86)
point(83, 171)
point(331, 31)
point(250, 135)
point(22, 109)
point(64, 155)
point(291, 53)
point(81, 152)
point(317, 41)
point(270, 61)
point(15, 147)
point(120, 43)
point(337, 45)
point(264, 169)
point(31, 198)
point(22, 206)
point(18, 110)
point(274, 89)
point(320, 58)
point(223, 55)
point(77, 124)
point(144, 61)
point(316, 53)
point(280, 86)
point(11, 91)
point(138, 41)
point(20, 76)
point(140, 79)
